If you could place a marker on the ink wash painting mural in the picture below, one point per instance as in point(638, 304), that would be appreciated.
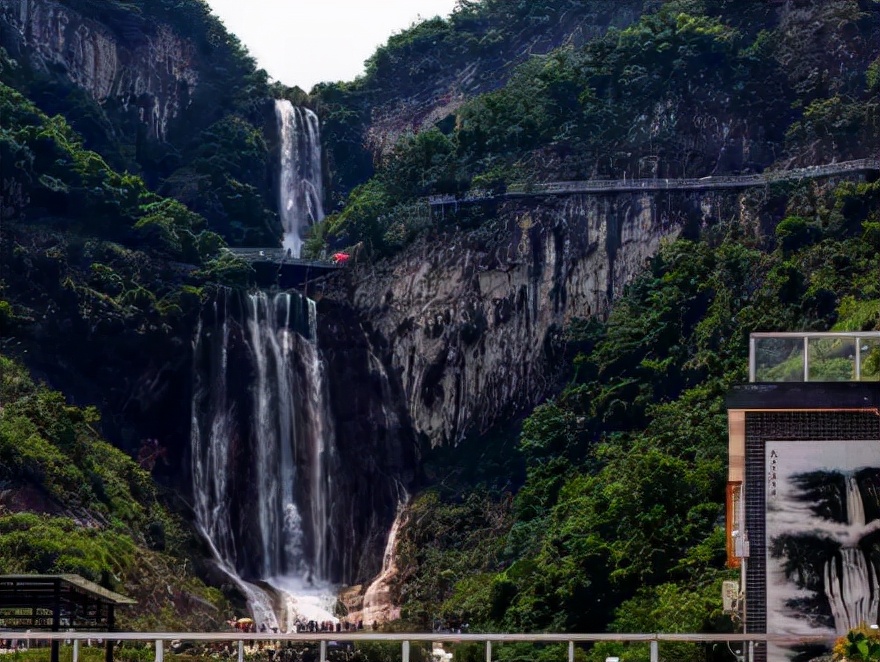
point(823, 538)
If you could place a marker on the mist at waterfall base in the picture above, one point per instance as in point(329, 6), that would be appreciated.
point(300, 182)
point(263, 454)
point(823, 538)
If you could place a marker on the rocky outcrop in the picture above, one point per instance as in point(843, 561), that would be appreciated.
point(437, 79)
point(472, 323)
point(148, 68)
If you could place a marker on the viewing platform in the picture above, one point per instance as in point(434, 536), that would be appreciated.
point(280, 256)
point(273, 266)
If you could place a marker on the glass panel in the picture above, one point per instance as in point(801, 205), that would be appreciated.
point(832, 359)
point(870, 348)
point(779, 359)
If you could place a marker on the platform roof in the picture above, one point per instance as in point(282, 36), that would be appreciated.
point(54, 601)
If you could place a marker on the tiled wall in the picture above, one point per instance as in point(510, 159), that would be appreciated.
point(783, 426)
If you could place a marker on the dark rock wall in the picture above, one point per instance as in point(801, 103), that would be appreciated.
point(153, 72)
point(377, 448)
point(472, 323)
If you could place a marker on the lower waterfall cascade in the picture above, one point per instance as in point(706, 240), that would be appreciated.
point(264, 454)
point(851, 579)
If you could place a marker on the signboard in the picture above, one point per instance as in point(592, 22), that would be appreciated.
point(823, 538)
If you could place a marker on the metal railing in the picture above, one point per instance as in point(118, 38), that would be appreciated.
point(814, 357)
point(750, 642)
point(278, 255)
point(521, 189)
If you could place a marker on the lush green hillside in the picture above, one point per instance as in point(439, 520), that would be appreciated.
point(72, 503)
point(99, 276)
point(619, 522)
point(439, 63)
point(605, 511)
point(696, 88)
point(215, 158)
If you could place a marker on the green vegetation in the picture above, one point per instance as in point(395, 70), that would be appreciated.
point(667, 96)
point(617, 525)
point(72, 503)
point(605, 513)
point(104, 236)
point(859, 645)
point(214, 158)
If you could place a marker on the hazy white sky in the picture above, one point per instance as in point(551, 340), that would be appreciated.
point(302, 42)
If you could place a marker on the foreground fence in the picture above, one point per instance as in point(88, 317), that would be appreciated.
point(745, 645)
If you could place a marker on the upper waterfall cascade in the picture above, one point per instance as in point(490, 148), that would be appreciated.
point(300, 182)
point(263, 453)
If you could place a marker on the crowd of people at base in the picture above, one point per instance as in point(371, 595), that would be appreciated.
point(326, 626)
point(247, 625)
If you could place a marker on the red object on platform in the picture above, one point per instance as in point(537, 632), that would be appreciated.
point(339, 258)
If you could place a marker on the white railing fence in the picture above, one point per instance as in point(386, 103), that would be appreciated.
point(746, 643)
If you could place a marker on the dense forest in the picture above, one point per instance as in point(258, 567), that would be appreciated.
point(603, 508)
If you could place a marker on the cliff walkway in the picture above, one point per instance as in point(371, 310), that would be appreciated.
point(540, 189)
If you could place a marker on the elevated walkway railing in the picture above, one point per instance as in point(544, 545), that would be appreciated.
point(814, 357)
point(278, 256)
point(524, 189)
point(747, 642)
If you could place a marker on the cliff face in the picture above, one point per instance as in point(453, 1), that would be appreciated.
point(150, 70)
point(438, 78)
point(472, 323)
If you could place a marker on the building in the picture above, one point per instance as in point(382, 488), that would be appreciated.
point(803, 512)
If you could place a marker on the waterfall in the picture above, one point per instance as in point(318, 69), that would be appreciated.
point(851, 579)
point(263, 452)
point(377, 600)
point(300, 185)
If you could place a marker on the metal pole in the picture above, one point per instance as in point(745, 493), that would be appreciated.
point(323, 651)
point(752, 367)
point(405, 651)
point(858, 359)
point(806, 358)
point(240, 650)
point(570, 651)
point(76, 650)
point(655, 651)
point(751, 650)
point(160, 650)
point(488, 651)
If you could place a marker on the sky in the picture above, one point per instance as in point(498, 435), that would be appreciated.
point(303, 42)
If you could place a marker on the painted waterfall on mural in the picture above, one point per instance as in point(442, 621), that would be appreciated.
point(823, 538)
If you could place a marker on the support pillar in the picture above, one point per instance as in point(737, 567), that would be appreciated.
point(488, 651)
point(111, 625)
point(240, 650)
point(56, 621)
point(323, 651)
point(76, 650)
point(160, 650)
point(405, 651)
point(570, 651)
point(655, 651)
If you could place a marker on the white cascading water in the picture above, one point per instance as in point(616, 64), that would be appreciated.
point(300, 185)
point(378, 606)
point(291, 444)
point(851, 580)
